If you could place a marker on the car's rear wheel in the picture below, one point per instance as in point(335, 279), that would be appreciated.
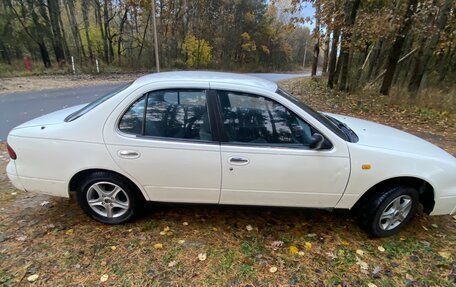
point(108, 197)
point(385, 213)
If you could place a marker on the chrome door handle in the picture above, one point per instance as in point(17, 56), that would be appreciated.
point(128, 154)
point(238, 160)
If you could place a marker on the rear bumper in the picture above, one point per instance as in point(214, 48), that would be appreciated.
point(12, 175)
point(38, 185)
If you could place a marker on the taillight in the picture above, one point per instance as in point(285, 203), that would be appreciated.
point(11, 152)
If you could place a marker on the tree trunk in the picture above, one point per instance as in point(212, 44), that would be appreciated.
point(316, 49)
point(324, 68)
point(85, 16)
point(44, 54)
point(102, 31)
point(374, 61)
point(351, 11)
point(144, 35)
point(333, 58)
point(423, 61)
point(121, 28)
point(396, 49)
point(54, 12)
point(108, 29)
point(70, 10)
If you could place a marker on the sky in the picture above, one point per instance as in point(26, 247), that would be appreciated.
point(308, 11)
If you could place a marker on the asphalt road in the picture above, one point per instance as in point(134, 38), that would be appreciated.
point(19, 107)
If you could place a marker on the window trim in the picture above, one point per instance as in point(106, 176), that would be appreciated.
point(215, 135)
point(224, 138)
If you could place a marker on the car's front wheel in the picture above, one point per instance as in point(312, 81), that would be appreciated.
point(108, 198)
point(385, 213)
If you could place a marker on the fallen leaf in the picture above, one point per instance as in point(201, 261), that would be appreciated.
point(13, 193)
point(402, 238)
point(301, 253)
point(32, 278)
point(409, 277)
point(113, 248)
point(21, 238)
point(69, 231)
point(345, 243)
point(182, 241)
point(169, 233)
point(308, 245)
point(273, 269)
point(166, 229)
point(158, 246)
point(294, 250)
point(104, 278)
point(371, 285)
point(202, 256)
point(130, 230)
point(376, 270)
point(162, 233)
point(445, 254)
point(331, 255)
point(454, 217)
point(381, 248)
point(185, 223)
point(360, 252)
point(172, 263)
point(435, 225)
point(363, 265)
point(249, 227)
point(425, 228)
point(214, 229)
point(277, 244)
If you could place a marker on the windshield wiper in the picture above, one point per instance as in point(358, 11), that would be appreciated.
point(344, 128)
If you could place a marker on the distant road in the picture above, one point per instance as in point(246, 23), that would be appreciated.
point(17, 108)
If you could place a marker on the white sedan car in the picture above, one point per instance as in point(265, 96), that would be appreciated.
point(207, 137)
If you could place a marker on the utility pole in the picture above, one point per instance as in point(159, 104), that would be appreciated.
point(305, 55)
point(157, 60)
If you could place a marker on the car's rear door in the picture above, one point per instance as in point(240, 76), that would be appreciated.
point(163, 137)
point(266, 158)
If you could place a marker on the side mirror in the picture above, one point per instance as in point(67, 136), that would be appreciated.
point(316, 141)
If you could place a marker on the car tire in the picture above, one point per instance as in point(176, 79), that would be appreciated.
point(109, 198)
point(385, 213)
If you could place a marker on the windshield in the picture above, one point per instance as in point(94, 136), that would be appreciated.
point(319, 116)
point(95, 103)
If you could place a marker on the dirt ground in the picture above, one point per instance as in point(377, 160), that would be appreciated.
point(37, 83)
point(46, 241)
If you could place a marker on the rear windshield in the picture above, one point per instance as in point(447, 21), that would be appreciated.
point(95, 103)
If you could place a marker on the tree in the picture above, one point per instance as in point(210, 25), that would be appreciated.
point(396, 49)
point(197, 51)
point(54, 14)
point(351, 9)
point(422, 62)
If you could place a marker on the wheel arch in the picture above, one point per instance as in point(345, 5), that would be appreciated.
point(80, 175)
point(424, 188)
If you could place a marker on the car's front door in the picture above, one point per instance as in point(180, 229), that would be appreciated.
point(266, 158)
point(164, 140)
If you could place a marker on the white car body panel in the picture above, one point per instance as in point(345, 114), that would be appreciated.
point(51, 151)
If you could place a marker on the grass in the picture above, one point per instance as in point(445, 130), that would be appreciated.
point(36, 239)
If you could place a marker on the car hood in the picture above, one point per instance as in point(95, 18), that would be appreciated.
point(385, 137)
point(53, 118)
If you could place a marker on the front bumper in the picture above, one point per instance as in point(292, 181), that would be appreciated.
point(12, 175)
point(445, 205)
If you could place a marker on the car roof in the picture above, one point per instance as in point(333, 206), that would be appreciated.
point(214, 77)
